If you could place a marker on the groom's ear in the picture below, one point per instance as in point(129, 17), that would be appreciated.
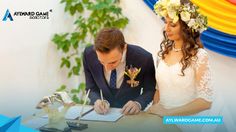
point(123, 49)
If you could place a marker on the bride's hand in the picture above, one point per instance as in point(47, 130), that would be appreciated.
point(158, 109)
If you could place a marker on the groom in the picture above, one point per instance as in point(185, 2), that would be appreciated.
point(104, 67)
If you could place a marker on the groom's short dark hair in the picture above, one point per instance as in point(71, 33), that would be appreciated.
point(108, 39)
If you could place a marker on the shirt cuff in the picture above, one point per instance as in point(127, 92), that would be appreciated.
point(140, 107)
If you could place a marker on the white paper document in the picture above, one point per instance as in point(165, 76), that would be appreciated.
point(74, 111)
point(113, 115)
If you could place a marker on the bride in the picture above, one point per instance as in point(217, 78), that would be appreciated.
point(183, 72)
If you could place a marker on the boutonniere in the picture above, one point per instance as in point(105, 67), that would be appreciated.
point(132, 73)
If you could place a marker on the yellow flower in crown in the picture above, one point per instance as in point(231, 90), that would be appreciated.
point(167, 7)
point(132, 73)
point(187, 13)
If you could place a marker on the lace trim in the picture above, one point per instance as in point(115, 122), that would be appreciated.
point(204, 86)
point(200, 59)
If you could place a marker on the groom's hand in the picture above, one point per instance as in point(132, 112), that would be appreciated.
point(101, 107)
point(131, 108)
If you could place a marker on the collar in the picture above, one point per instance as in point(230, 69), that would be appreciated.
point(123, 56)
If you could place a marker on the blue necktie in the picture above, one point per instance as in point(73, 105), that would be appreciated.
point(113, 79)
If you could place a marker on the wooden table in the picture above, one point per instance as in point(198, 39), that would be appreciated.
point(143, 122)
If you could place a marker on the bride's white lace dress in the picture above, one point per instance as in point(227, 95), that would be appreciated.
point(176, 90)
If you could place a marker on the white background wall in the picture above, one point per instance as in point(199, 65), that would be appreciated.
point(29, 62)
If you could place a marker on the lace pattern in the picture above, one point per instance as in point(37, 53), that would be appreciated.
point(203, 76)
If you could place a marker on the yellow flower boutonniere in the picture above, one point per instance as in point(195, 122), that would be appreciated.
point(132, 73)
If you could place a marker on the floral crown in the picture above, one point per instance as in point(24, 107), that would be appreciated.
point(188, 13)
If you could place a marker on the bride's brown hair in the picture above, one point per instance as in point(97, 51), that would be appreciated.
point(191, 44)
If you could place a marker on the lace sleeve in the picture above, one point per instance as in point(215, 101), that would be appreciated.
point(203, 76)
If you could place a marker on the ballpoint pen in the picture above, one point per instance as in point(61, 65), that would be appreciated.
point(101, 95)
point(102, 98)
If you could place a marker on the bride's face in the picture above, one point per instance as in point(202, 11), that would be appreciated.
point(173, 30)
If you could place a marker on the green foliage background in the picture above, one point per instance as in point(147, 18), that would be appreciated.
point(90, 17)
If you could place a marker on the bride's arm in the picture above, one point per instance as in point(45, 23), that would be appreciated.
point(193, 107)
point(156, 97)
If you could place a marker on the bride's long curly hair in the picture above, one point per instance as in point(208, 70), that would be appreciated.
point(191, 44)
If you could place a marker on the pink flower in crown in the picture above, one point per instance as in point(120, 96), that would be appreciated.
point(132, 73)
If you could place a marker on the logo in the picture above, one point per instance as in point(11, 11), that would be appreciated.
point(193, 120)
point(7, 16)
point(38, 15)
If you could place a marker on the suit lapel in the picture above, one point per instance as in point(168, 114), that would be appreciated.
point(128, 63)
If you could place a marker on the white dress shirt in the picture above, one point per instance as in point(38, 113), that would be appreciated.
point(120, 69)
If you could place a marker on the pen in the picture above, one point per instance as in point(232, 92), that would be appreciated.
point(101, 95)
point(102, 98)
point(85, 100)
